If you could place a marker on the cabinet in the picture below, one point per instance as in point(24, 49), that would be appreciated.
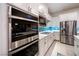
point(35, 12)
point(56, 35)
point(20, 5)
point(76, 46)
point(33, 8)
point(27, 7)
point(41, 47)
point(44, 44)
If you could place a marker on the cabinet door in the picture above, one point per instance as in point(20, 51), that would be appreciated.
point(51, 38)
point(41, 47)
point(46, 43)
point(33, 8)
point(56, 35)
point(49, 41)
point(76, 46)
point(20, 5)
point(35, 12)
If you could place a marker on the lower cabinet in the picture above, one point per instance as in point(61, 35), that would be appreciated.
point(44, 44)
point(56, 35)
point(41, 47)
point(76, 46)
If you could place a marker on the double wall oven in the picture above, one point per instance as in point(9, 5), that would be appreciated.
point(23, 32)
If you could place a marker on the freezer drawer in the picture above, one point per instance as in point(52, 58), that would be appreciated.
point(67, 40)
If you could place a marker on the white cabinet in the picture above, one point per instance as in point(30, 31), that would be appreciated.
point(41, 47)
point(44, 44)
point(20, 5)
point(27, 7)
point(35, 12)
point(49, 40)
point(56, 36)
point(76, 45)
point(33, 8)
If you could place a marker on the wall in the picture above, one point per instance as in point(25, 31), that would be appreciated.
point(65, 11)
point(74, 17)
point(54, 21)
point(3, 30)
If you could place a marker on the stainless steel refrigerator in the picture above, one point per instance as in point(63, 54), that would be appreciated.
point(67, 31)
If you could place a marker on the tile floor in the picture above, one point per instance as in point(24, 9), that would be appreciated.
point(60, 48)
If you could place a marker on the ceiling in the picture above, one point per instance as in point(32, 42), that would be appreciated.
point(57, 7)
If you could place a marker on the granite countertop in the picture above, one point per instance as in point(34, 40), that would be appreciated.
point(41, 35)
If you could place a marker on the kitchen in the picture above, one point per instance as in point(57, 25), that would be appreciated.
point(34, 29)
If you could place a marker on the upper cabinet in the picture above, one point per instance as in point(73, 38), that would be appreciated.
point(27, 7)
point(33, 8)
point(20, 5)
point(35, 12)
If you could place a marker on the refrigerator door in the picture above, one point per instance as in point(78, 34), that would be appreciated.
point(67, 32)
point(69, 40)
point(70, 28)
